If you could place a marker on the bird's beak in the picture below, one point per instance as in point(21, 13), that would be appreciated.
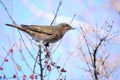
point(72, 28)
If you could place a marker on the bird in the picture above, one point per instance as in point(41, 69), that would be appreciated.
point(44, 33)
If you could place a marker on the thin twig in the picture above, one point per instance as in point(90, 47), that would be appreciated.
point(25, 45)
point(87, 44)
point(84, 53)
point(55, 66)
point(35, 64)
point(6, 55)
point(7, 12)
point(72, 19)
point(9, 55)
point(60, 3)
point(87, 63)
point(56, 46)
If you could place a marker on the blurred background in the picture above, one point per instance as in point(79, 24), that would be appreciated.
point(41, 12)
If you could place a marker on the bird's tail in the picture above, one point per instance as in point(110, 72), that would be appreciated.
point(16, 26)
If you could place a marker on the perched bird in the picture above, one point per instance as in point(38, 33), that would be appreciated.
point(44, 34)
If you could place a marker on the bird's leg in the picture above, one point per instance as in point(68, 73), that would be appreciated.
point(43, 44)
point(46, 45)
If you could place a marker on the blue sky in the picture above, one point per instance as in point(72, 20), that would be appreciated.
point(41, 12)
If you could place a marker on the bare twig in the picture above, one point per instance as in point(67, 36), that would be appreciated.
point(87, 44)
point(87, 63)
point(7, 12)
point(60, 3)
point(35, 63)
point(56, 46)
point(84, 37)
point(72, 19)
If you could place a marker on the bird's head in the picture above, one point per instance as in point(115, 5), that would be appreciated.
point(64, 27)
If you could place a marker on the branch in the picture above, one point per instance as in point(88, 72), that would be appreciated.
point(40, 62)
point(72, 19)
point(35, 64)
point(7, 12)
point(83, 54)
point(94, 58)
point(60, 3)
point(87, 44)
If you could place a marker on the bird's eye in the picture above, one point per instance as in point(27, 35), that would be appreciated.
point(67, 25)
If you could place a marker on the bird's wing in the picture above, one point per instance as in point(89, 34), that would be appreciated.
point(36, 28)
point(40, 29)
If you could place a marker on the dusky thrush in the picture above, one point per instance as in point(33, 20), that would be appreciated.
point(44, 34)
